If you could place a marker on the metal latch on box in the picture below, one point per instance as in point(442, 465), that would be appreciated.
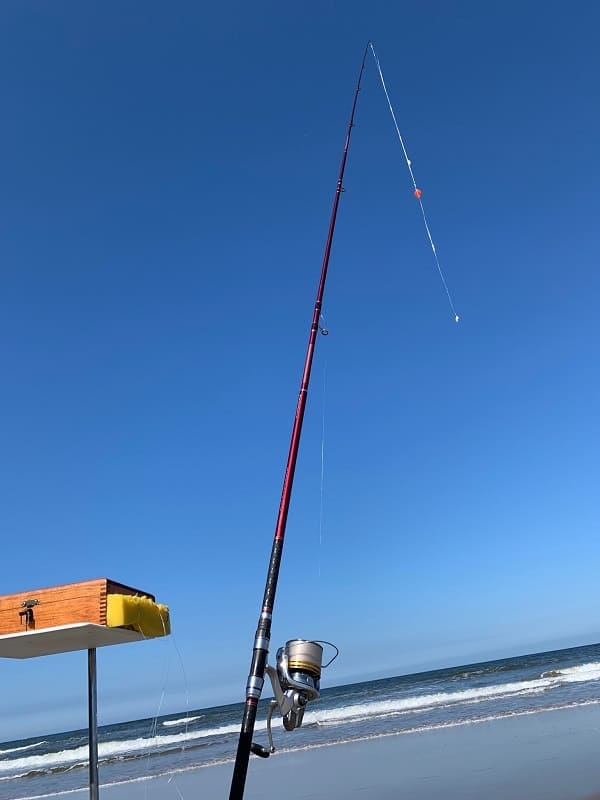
point(27, 613)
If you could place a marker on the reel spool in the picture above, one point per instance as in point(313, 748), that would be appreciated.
point(299, 673)
point(296, 681)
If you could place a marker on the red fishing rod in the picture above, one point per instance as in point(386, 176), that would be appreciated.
point(296, 679)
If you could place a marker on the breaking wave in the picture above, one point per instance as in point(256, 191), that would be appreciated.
point(168, 723)
point(24, 747)
point(203, 735)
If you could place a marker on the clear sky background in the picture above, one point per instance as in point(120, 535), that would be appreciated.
point(167, 173)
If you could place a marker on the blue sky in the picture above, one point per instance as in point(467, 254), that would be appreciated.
point(167, 178)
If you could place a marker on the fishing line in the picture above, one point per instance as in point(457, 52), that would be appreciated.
point(417, 192)
point(176, 787)
point(321, 510)
point(154, 724)
point(187, 709)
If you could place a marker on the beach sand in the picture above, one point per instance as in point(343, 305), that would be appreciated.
point(553, 755)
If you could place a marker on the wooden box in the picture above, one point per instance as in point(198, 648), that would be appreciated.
point(71, 617)
point(59, 605)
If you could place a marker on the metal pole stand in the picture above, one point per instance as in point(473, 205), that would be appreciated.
point(93, 723)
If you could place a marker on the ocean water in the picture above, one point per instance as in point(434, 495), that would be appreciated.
point(51, 765)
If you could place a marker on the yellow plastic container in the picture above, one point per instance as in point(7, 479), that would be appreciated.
point(139, 614)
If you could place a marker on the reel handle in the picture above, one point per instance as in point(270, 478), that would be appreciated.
point(259, 750)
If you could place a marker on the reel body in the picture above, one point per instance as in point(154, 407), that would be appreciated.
point(295, 681)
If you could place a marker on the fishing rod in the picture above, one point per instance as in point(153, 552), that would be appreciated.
point(295, 680)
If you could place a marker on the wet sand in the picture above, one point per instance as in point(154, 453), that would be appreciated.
point(553, 755)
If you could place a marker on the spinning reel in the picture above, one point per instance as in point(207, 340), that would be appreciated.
point(295, 681)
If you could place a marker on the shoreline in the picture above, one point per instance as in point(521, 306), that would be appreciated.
point(542, 755)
